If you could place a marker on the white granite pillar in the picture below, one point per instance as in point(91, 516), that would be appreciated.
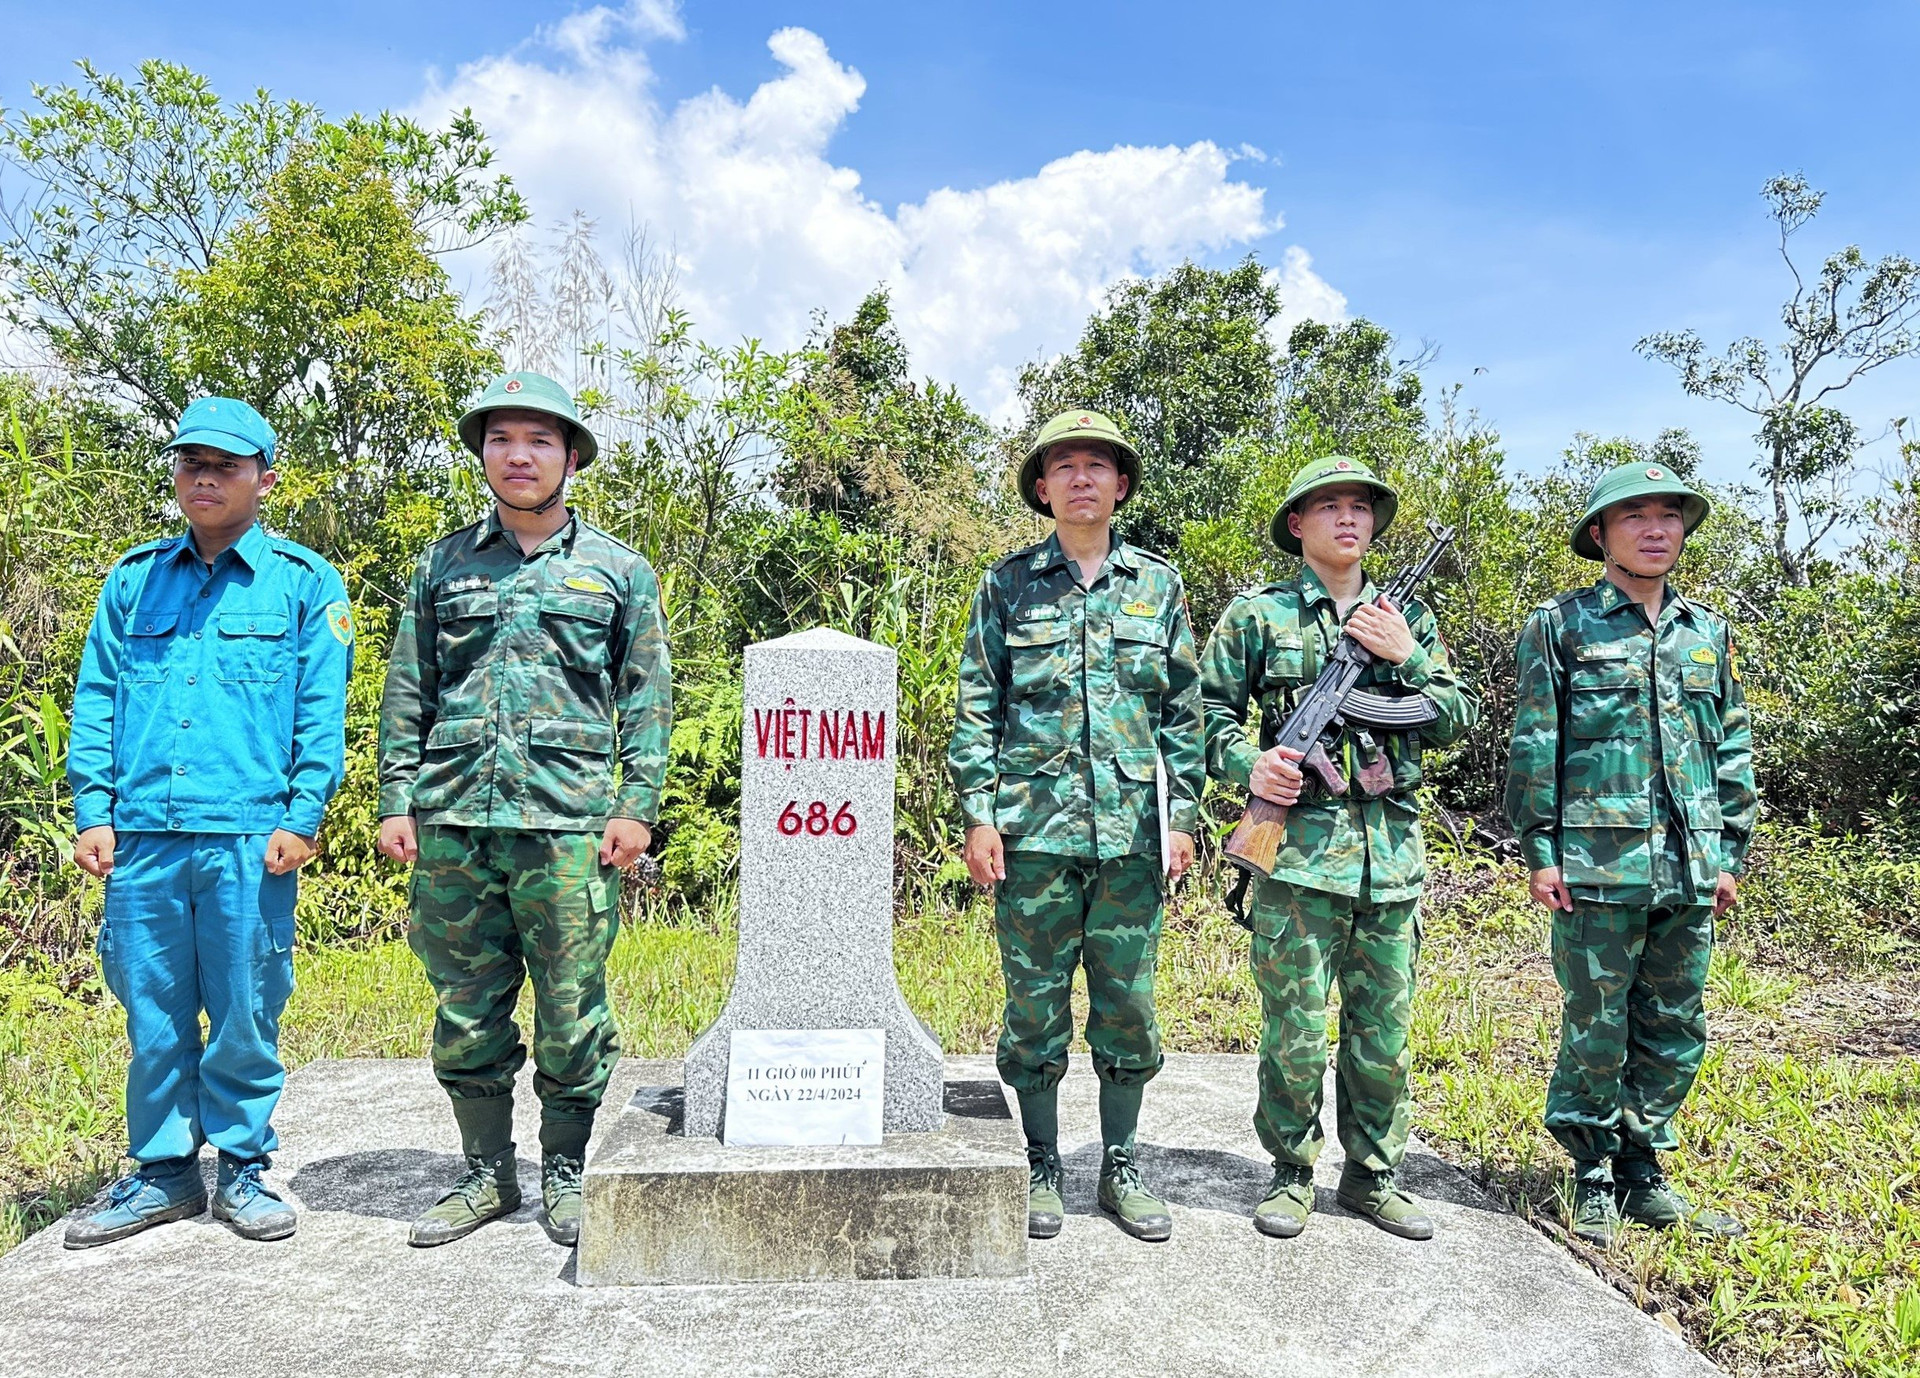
point(816, 871)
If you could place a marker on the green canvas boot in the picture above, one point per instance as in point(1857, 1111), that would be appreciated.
point(1122, 1194)
point(488, 1188)
point(1596, 1215)
point(1647, 1198)
point(1040, 1119)
point(1375, 1196)
point(1288, 1203)
point(560, 1193)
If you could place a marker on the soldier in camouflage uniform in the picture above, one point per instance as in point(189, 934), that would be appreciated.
point(1344, 899)
point(1078, 707)
point(523, 740)
point(1630, 784)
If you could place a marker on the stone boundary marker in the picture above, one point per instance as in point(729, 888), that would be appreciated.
point(816, 871)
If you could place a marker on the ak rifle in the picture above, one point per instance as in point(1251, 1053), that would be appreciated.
point(1332, 700)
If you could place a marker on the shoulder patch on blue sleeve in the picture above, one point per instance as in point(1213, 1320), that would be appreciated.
point(340, 621)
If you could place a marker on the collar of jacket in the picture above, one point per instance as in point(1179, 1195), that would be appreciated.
point(1613, 598)
point(491, 530)
point(252, 547)
point(1313, 591)
point(1050, 556)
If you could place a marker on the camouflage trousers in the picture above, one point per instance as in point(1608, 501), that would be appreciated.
point(490, 907)
point(1303, 942)
point(1633, 1027)
point(1052, 913)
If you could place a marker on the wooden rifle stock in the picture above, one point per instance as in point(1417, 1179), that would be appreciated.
point(1256, 838)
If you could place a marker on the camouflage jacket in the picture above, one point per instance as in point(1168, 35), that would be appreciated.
point(1271, 644)
point(1621, 729)
point(1067, 693)
point(516, 684)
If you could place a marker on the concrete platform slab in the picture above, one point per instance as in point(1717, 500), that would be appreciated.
point(370, 1143)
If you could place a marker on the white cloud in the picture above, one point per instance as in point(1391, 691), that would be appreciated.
point(768, 228)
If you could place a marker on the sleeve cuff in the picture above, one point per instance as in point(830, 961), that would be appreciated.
point(1539, 851)
point(395, 800)
point(1733, 857)
point(1183, 816)
point(1240, 758)
point(1416, 671)
point(638, 802)
point(977, 809)
point(92, 812)
point(303, 822)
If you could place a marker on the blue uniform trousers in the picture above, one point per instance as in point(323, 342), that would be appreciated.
point(196, 922)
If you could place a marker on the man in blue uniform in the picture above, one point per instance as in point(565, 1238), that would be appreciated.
point(208, 735)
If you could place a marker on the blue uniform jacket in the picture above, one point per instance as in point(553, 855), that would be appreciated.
point(213, 702)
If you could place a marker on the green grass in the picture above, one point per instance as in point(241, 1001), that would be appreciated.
point(1805, 1120)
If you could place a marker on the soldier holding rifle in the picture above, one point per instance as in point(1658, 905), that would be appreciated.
point(1339, 897)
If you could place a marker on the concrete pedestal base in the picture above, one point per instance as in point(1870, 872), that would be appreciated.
point(660, 1207)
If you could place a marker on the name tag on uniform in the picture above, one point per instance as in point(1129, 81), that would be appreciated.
point(1039, 612)
point(1606, 650)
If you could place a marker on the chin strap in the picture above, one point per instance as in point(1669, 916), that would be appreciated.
point(559, 490)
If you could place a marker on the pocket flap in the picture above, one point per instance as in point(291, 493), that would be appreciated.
point(1038, 633)
point(1035, 759)
point(1147, 629)
point(572, 734)
point(1700, 679)
point(591, 607)
point(1135, 765)
point(152, 624)
point(479, 603)
point(456, 732)
point(1606, 674)
point(253, 624)
point(1607, 811)
point(1703, 813)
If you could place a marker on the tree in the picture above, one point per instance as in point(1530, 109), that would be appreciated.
point(1344, 380)
point(1853, 317)
point(1184, 362)
point(136, 185)
point(879, 451)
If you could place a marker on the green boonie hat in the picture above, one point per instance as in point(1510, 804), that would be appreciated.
point(527, 392)
point(1324, 473)
point(1078, 425)
point(1627, 481)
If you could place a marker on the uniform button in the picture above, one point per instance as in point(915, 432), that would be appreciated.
point(149, 626)
point(196, 636)
point(190, 679)
point(206, 593)
point(186, 722)
point(174, 823)
point(179, 770)
point(249, 626)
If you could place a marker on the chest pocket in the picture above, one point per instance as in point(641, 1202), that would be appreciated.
point(1701, 684)
point(252, 647)
point(1285, 662)
point(1604, 699)
point(577, 624)
point(1038, 656)
point(149, 634)
point(1140, 654)
point(466, 624)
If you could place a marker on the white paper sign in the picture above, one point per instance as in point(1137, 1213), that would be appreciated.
point(805, 1086)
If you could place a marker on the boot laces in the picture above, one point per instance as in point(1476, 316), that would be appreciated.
point(247, 1183)
point(1123, 1173)
point(1043, 1167)
point(474, 1182)
point(563, 1173)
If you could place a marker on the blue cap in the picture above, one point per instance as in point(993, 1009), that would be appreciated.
point(222, 423)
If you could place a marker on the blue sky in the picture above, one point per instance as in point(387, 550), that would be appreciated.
point(1529, 187)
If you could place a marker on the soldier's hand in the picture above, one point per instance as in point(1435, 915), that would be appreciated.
point(1276, 776)
point(288, 851)
point(93, 851)
point(625, 842)
point(1726, 894)
point(1382, 628)
point(1550, 890)
point(398, 838)
point(1179, 854)
point(986, 855)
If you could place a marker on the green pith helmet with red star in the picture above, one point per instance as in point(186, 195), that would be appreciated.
point(1079, 424)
